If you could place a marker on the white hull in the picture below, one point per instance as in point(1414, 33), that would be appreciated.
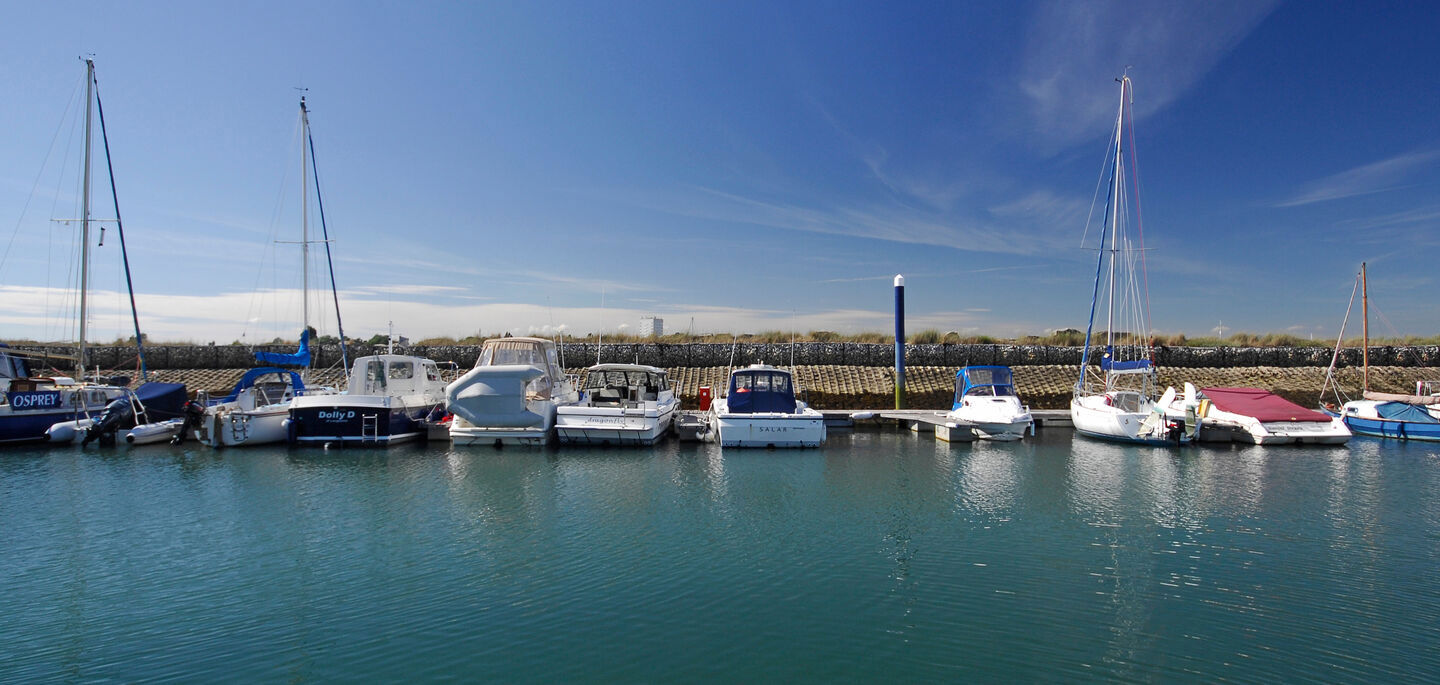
point(464, 434)
point(584, 425)
point(1224, 426)
point(232, 428)
point(995, 418)
point(67, 432)
point(1093, 417)
point(805, 428)
point(150, 433)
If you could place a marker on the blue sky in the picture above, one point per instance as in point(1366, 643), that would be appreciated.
point(752, 166)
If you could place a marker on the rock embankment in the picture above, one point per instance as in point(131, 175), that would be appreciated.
point(701, 355)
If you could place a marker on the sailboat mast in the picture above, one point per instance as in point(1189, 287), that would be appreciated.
point(304, 216)
point(85, 218)
point(1365, 311)
point(1114, 221)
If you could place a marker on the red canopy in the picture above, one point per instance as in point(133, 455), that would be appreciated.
point(1261, 404)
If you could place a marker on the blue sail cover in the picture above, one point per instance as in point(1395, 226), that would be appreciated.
point(254, 374)
point(1108, 363)
point(300, 358)
point(1400, 411)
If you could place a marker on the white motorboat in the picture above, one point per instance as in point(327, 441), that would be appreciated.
point(759, 409)
point(985, 400)
point(620, 404)
point(390, 396)
point(511, 396)
point(1117, 401)
point(1255, 415)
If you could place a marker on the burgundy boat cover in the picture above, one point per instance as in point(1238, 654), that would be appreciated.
point(1261, 404)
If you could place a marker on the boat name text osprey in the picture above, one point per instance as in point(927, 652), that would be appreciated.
point(44, 399)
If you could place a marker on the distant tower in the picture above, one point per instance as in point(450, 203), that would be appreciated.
point(651, 327)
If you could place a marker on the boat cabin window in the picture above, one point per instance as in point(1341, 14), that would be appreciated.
point(401, 370)
point(761, 391)
point(374, 376)
point(432, 372)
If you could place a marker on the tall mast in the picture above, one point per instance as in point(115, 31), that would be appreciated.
point(1365, 310)
point(1114, 221)
point(304, 216)
point(85, 218)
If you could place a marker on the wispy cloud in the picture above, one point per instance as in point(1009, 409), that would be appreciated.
point(1073, 50)
point(1374, 177)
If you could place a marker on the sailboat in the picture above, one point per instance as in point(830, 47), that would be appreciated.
point(257, 410)
point(60, 409)
point(1117, 402)
point(1380, 414)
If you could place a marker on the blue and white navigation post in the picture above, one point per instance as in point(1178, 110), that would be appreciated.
point(899, 341)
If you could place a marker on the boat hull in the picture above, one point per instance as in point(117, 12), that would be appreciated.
point(1094, 419)
point(996, 419)
point(239, 427)
point(805, 429)
point(21, 425)
point(590, 425)
point(1391, 428)
point(360, 420)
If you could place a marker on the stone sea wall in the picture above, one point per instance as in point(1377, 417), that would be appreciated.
point(699, 355)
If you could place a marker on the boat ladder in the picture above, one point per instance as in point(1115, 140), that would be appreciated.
point(239, 426)
point(370, 427)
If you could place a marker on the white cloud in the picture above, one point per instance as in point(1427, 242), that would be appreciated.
point(1074, 50)
point(1370, 178)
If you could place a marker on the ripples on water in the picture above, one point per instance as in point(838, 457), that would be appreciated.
point(884, 556)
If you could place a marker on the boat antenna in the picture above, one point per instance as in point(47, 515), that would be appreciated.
point(390, 339)
point(324, 230)
point(600, 336)
point(120, 227)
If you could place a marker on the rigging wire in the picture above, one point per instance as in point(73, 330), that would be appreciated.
point(49, 151)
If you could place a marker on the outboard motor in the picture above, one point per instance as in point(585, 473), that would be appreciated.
point(194, 413)
point(116, 413)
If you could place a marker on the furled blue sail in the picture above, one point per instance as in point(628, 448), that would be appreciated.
point(300, 358)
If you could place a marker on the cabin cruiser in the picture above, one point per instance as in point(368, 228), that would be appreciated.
point(985, 400)
point(759, 409)
point(389, 398)
point(511, 395)
point(1255, 415)
point(620, 404)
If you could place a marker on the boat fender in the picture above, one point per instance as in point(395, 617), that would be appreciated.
point(1204, 409)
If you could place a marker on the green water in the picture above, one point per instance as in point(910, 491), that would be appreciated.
point(883, 557)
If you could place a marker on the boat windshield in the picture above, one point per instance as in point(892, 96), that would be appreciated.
point(596, 380)
point(985, 382)
point(761, 391)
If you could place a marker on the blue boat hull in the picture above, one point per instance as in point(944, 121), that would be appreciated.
point(31, 426)
point(1392, 429)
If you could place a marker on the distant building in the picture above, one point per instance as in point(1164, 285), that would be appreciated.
point(652, 327)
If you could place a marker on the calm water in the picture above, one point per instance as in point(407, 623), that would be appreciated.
point(882, 557)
